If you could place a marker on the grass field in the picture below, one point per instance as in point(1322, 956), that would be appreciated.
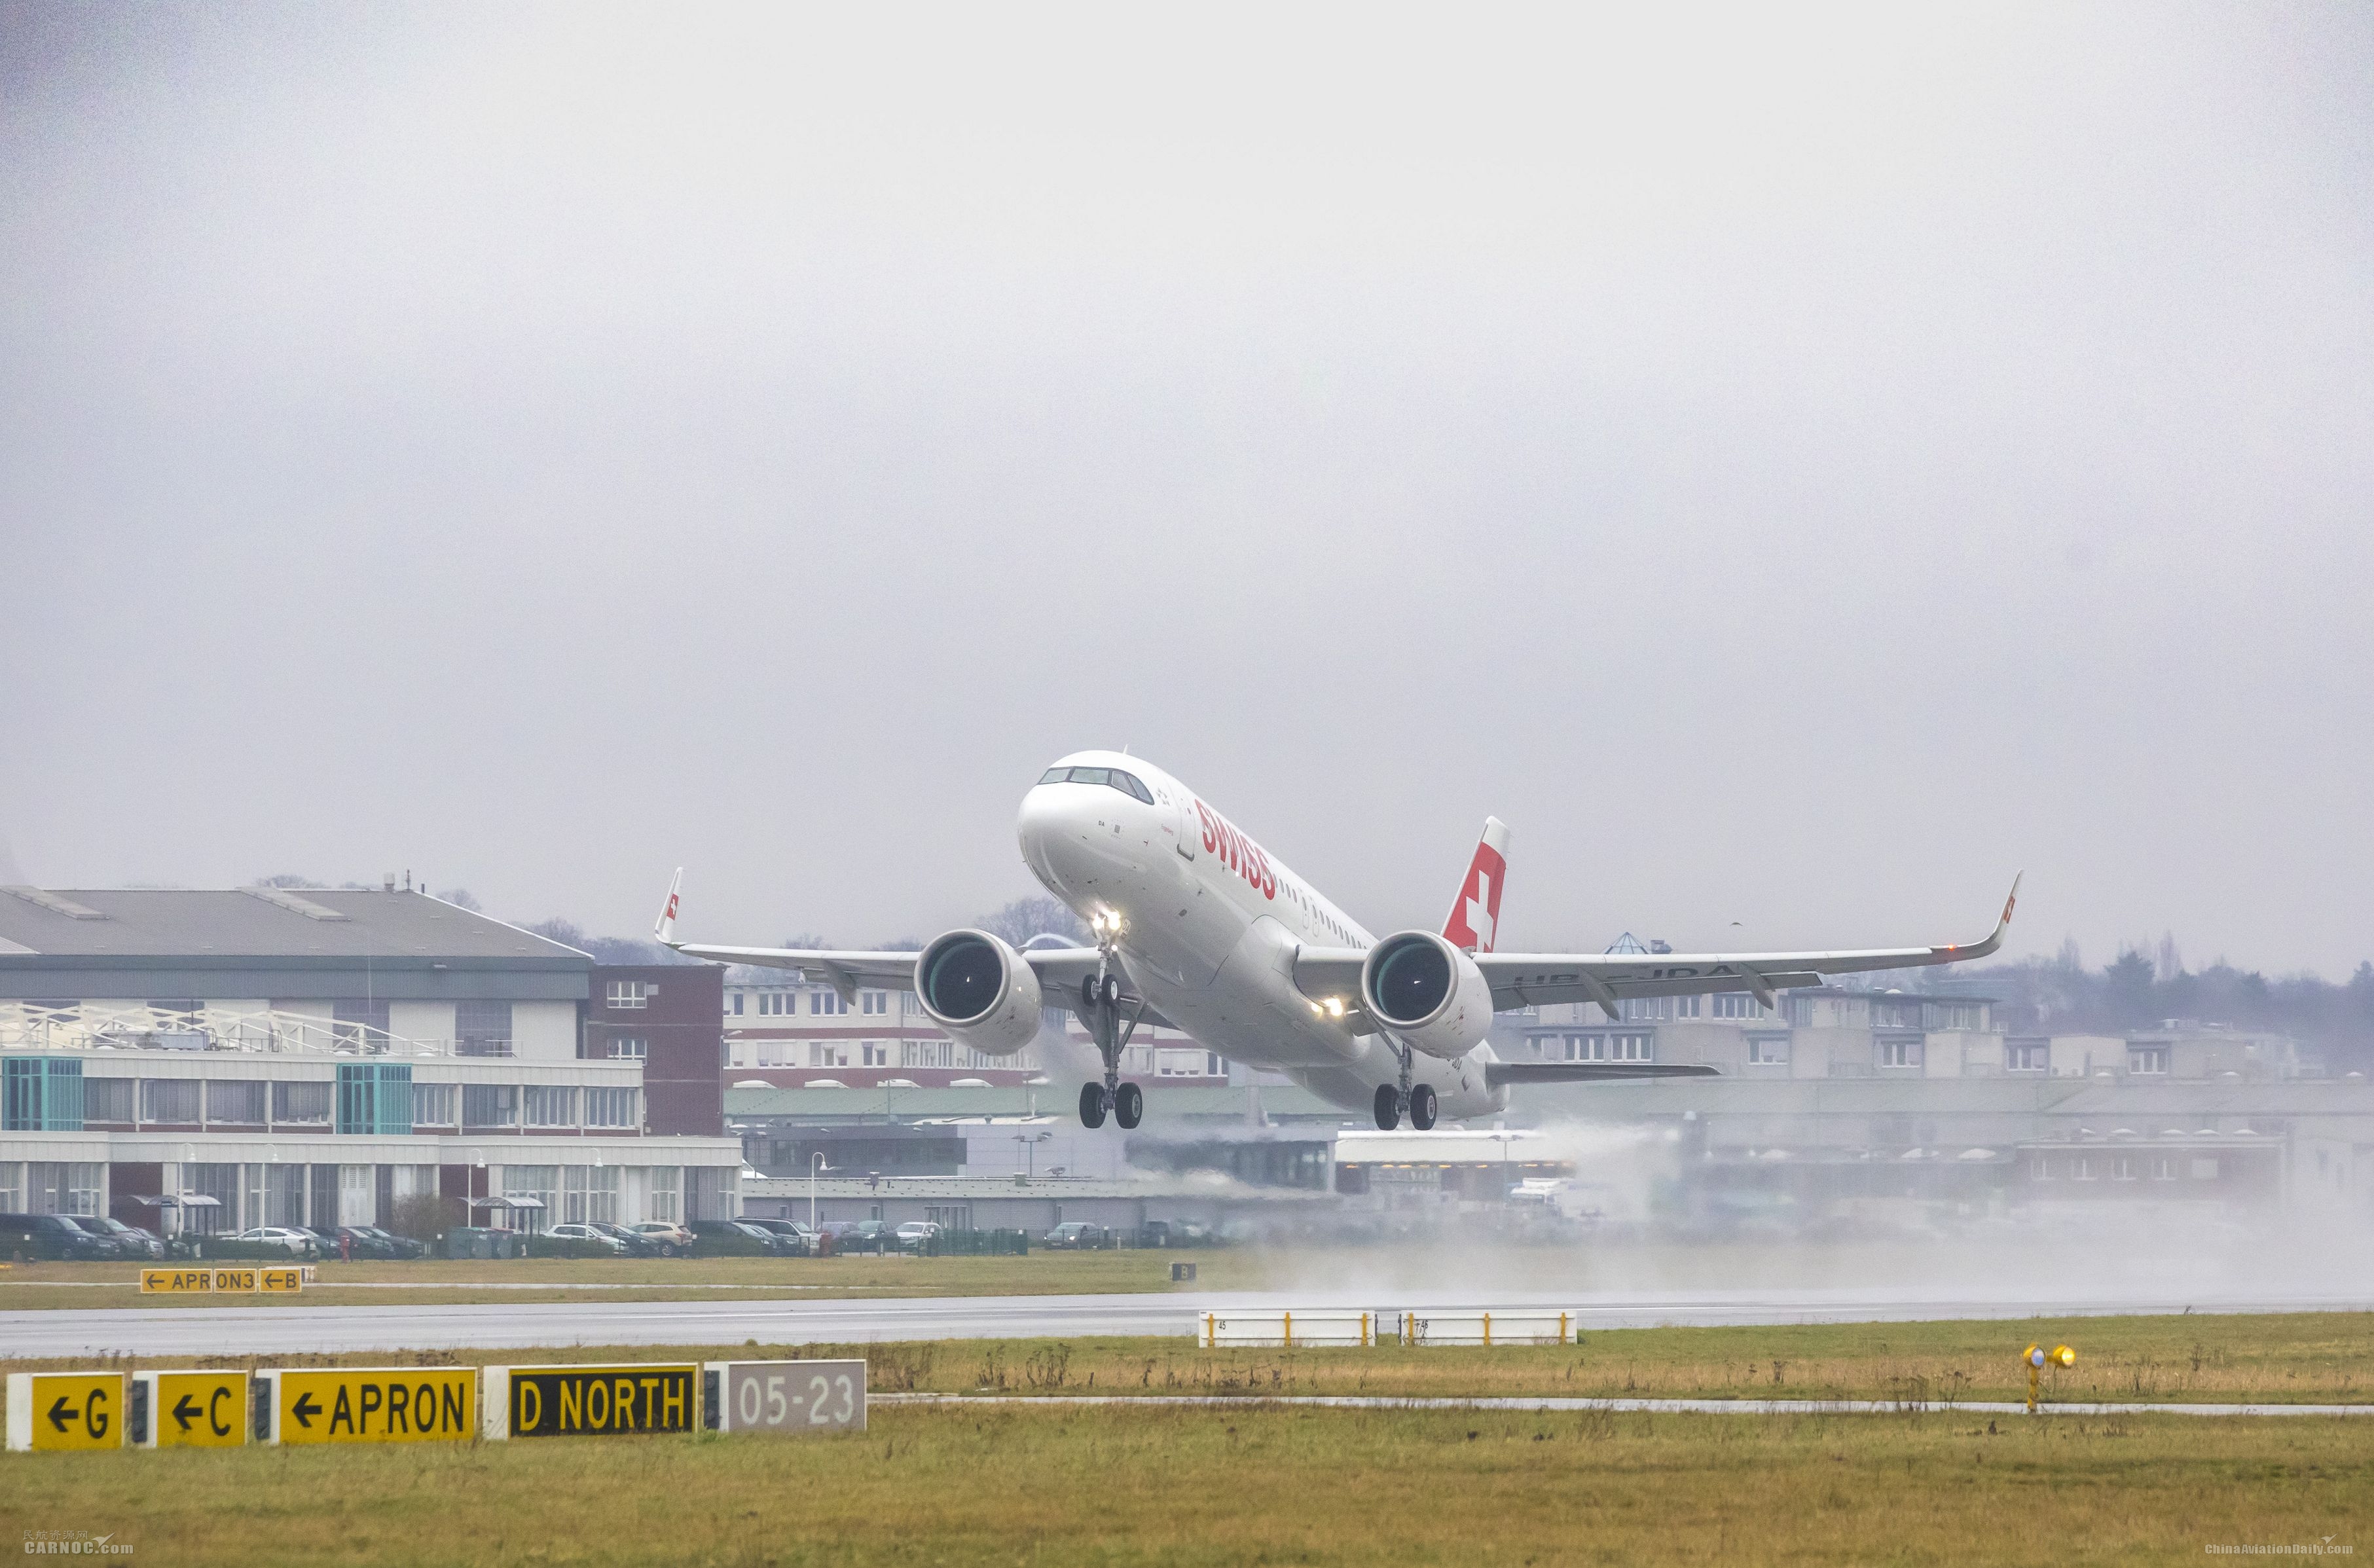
point(438, 1282)
point(2302, 1357)
point(1059, 1485)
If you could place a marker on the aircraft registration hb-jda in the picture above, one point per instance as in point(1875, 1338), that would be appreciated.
point(1199, 927)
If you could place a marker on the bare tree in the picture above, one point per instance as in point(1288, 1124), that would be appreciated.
point(1018, 922)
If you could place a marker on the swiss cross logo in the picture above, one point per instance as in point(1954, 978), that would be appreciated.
point(1474, 919)
point(671, 908)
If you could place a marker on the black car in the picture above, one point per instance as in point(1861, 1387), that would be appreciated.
point(130, 1240)
point(793, 1240)
point(397, 1246)
point(637, 1244)
point(91, 1226)
point(731, 1238)
point(361, 1243)
point(32, 1237)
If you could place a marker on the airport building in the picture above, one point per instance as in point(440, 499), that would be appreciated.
point(211, 1061)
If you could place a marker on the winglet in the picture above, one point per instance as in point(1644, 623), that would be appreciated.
point(1995, 939)
point(665, 927)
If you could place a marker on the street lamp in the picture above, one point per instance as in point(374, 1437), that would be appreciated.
point(1030, 1152)
point(816, 1163)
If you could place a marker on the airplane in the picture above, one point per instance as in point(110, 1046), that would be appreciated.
point(1198, 927)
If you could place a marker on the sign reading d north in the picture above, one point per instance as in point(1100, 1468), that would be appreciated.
point(580, 1401)
point(385, 1404)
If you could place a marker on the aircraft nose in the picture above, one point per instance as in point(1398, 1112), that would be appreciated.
point(1045, 823)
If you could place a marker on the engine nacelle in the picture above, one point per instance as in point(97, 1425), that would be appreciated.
point(980, 991)
point(1428, 993)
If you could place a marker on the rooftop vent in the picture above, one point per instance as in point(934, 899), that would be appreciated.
point(293, 904)
point(55, 903)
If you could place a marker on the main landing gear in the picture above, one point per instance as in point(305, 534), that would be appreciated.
point(1100, 1005)
point(1395, 1099)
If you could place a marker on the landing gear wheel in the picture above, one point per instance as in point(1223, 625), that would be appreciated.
point(1092, 1104)
point(1129, 1105)
point(1389, 1111)
point(1421, 1107)
point(1088, 990)
point(1112, 990)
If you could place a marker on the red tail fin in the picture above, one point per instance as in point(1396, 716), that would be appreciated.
point(1475, 914)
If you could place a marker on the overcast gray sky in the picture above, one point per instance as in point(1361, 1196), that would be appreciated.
point(1797, 469)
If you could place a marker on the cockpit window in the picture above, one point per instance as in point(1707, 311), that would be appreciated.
point(1128, 785)
point(1092, 776)
point(1055, 775)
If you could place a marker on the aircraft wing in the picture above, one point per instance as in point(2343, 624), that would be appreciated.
point(1060, 970)
point(1530, 979)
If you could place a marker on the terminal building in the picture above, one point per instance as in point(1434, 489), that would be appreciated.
point(211, 1061)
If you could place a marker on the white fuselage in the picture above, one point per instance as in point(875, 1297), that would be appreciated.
point(1209, 926)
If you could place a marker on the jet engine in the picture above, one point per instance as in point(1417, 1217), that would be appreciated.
point(1428, 993)
point(980, 991)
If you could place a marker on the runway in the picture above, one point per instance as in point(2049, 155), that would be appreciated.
point(297, 1330)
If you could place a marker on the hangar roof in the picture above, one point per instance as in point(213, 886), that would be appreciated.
point(121, 924)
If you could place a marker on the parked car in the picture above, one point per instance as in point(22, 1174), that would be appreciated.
point(130, 1240)
point(92, 1227)
point(361, 1242)
point(797, 1239)
point(637, 1243)
point(916, 1234)
point(574, 1232)
point(51, 1237)
point(731, 1238)
point(1075, 1235)
point(861, 1236)
point(398, 1246)
point(672, 1239)
point(297, 1243)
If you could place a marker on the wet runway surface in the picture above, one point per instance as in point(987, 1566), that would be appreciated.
point(296, 1329)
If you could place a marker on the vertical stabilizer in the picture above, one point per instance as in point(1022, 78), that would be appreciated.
point(1474, 919)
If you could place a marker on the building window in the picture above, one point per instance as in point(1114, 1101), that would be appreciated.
point(2147, 1061)
point(2028, 1057)
point(300, 1104)
point(668, 1194)
point(108, 1100)
point(216, 1180)
point(925, 1054)
point(1631, 1048)
point(825, 1004)
point(874, 1054)
point(1736, 1004)
point(734, 1004)
point(2163, 1169)
point(591, 1196)
point(950, 1216)
point(541, 1183)
point(482, 1029)
point(1768, 1050)
point(550, 1105)
point(2122, 1168)
point(610, 1108)
point(235, 1102)
point(630, 1048)
point(875, 1001)
point(374, 1097)
point(629, 994)
point(43, 1094)
point(822, 1054)
point(2205, 1169)
point(433, 1104)
point(358, 1195)
point(489, 1105)
point(359, 1023)
point(2081, 1168)
point(1901, 1054)
point(85, 1184)
point(172, 1101)
point(2039, 1169)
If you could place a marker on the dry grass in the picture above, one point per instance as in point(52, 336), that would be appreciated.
point(2305, 1358)
point(441, 1282)
point(1059, 1485)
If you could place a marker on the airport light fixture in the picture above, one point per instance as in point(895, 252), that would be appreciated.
point(2037, 1358)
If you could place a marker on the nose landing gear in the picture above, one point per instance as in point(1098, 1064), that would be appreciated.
point(1101, 1005)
